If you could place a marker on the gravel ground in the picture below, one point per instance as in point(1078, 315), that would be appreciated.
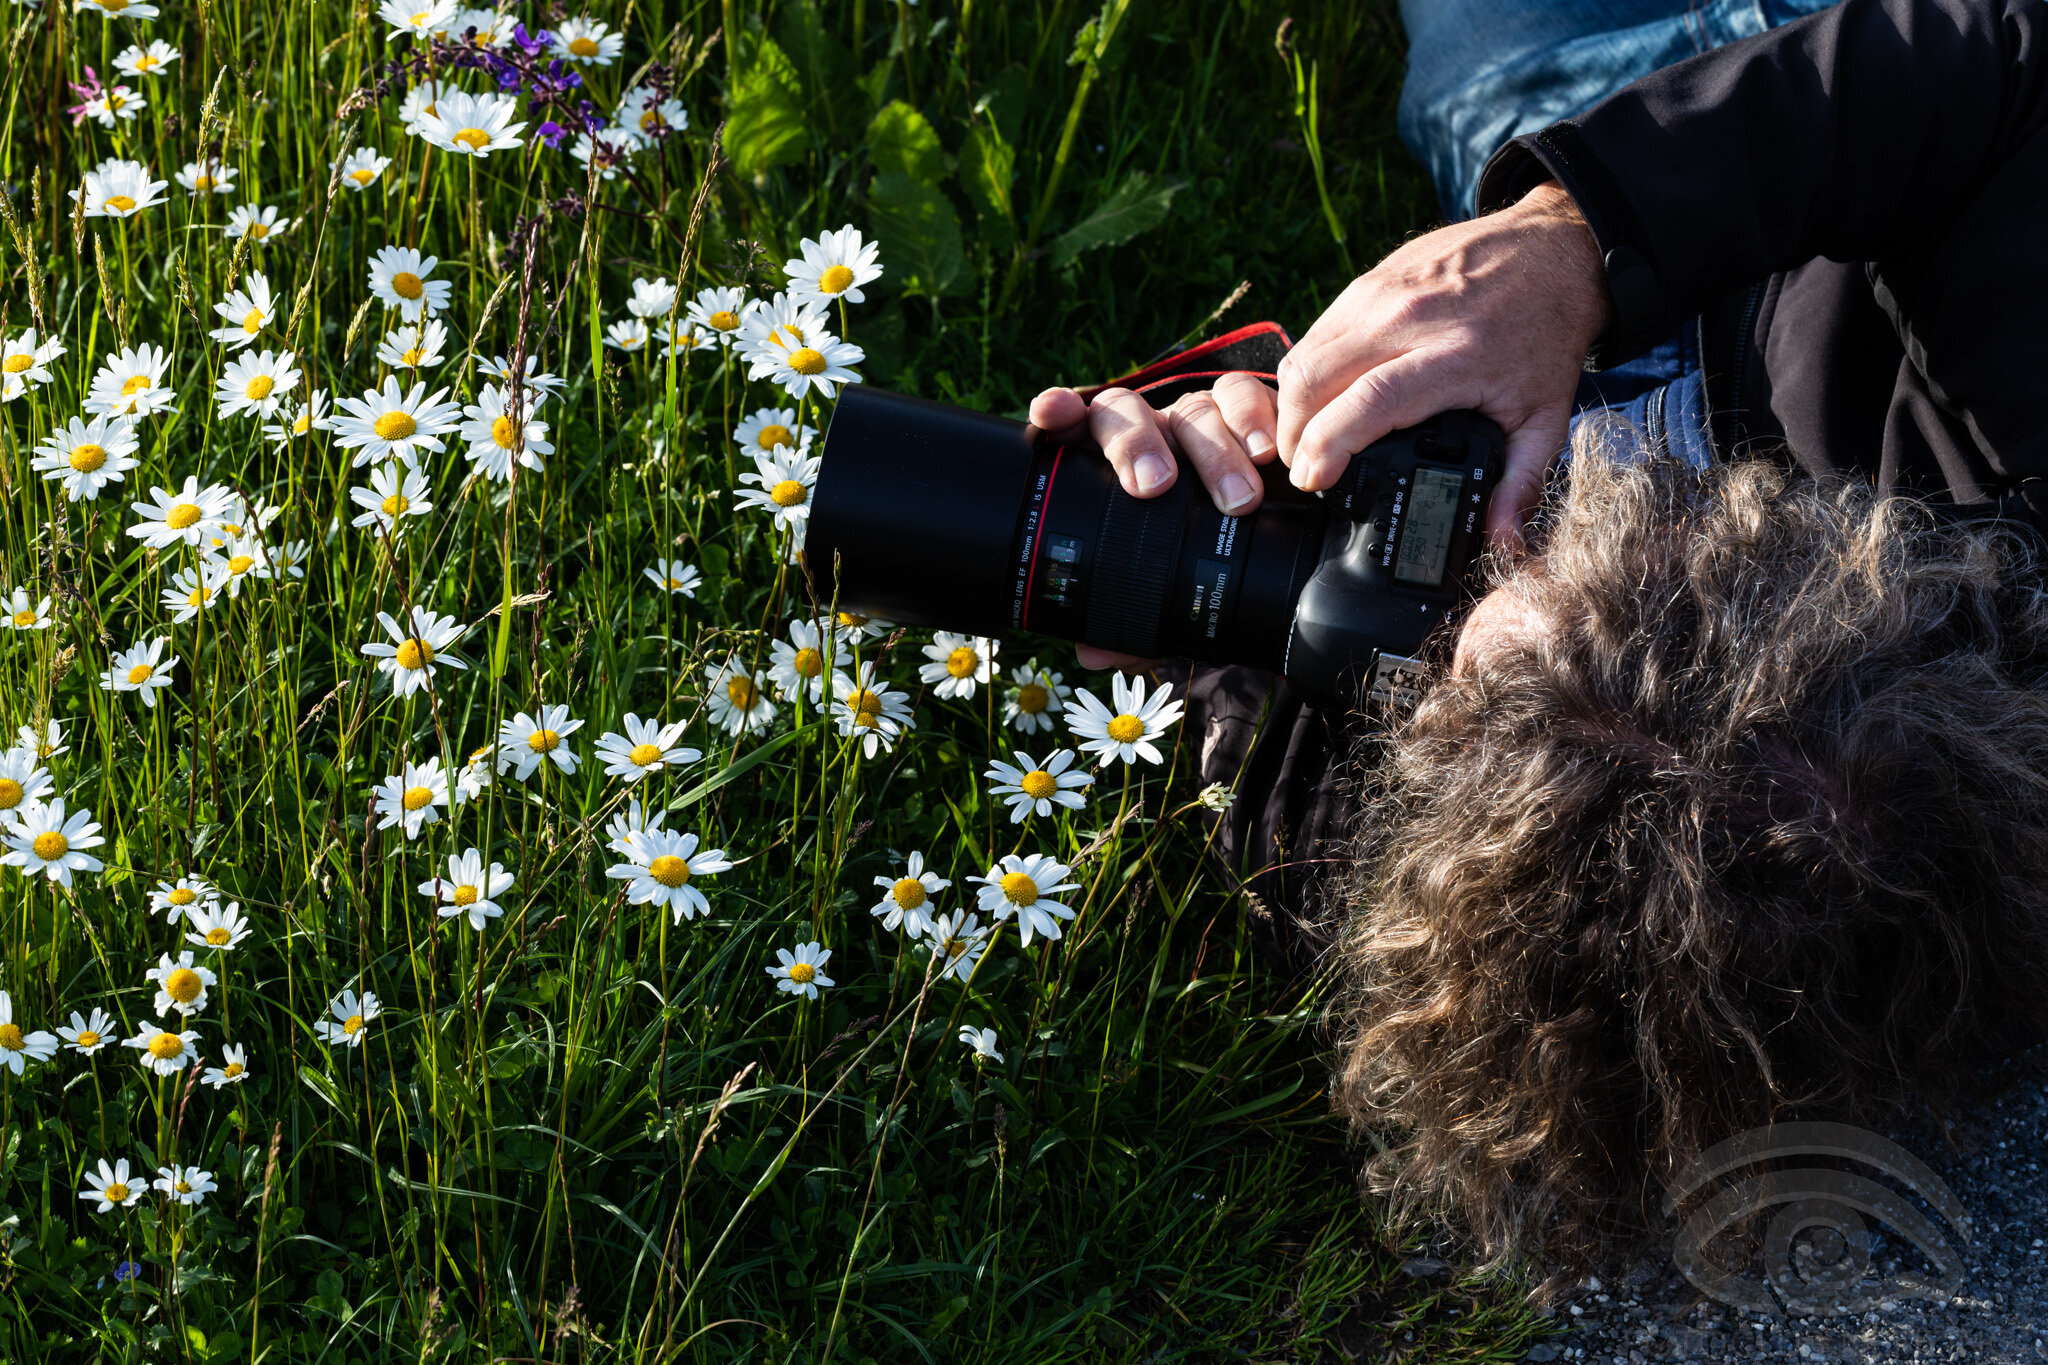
point(1992, 1160)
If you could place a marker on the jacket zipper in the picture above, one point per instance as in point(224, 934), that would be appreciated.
point(1739, 369)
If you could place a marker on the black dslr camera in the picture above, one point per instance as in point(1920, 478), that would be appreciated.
point(939, 516)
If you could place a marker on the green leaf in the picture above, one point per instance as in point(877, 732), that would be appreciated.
point(1139, 205)
point(765, 124)
point(900, 140)
point(987, 168)
point(743, 765)
point(837, 102)
point(919, 233)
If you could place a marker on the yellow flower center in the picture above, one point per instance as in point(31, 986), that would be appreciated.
point(24, 619)
point(146, 63)
point(165, 1046)
point(218, 937)
point(962, 662)
point(114, 101)
point(183, 1187)
point(773, 435)
point(788, 493)
point(1126, 729)
point(1032, 699)
point(742, 693)
point(115, 1192)
point(259, 230)
point(652, 120)
point(259, 388)
point(407, 285)
point(725, 320)
point(252, 321)
point(465, 895)
point(86, 1038)
point(120, 203)
point(241, 564)
point(955, 947)
point(583, 47)
point(181, 516)
point(136, 383)
point(1019, 889)
point(476, 139)
point(504, 432)
point(1038, 784)
point(851, 620)
point(363, 176)
point(808, 663)
point(908, 893)
point(395, 505)
point(669, 870)
point(411, 356)
point(88, 457)
point(644, 754)
point(303, 425)
point(196, 597)
point(50, 845)
point(418, 20)
point(415, 654)
point(138, 675)
point(415, 797)
point(10, 793)
point(803, 973)
point(866, 707)
point(18, 362)
point(183, 985)
point(183, 895)
point(836, 279)
point(543, 741)
point(395, 426)
point(202, 183)
point(805, 360)
point(352, 1025)
point(11, 1039)
point(232, 1070)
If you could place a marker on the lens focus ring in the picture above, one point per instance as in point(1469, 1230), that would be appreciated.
point(1137, 554)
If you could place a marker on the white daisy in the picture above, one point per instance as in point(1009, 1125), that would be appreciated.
point(588, 40)
point(959, 663)
point(870, 709)
point(722, 311)
point(606, 150)
point(87, 1035)
point(1127, 730)
point(1023, 886)
point(395, 491)
point(22, 780)
point(112, 1186)
point(46, 744)
point(419, 103)
point(248, 312)
point(361, 168)
point(647, 118)
point(180, 985)
point(798, 663)
point(469, 889)
point(851, 629)
point(472, 125)
point(298, 418)
point(412, 656)
point(240, 559)
point(802, 972)
point(1033, 788)
point(207, 177)
point(475, 774)
point(192, 590)
point(833, 268)
point(1036, 694)
point(114, 104)
point(257, 384)
point(627, 334)
point(413, 798)
point(646, 747)
point(770, 431)
point(86, 456)
point(165, 1050)
point(496, 441)
point(786, 479)
point(184, 1184)
point(420, 18)
point(131, 384)
point(394, 423)
point(119, 189)
point(624, 830)
point(351, 1012)
point(983, 1041)
point(536, 385)
point(789, 344)
point(25, 613)
point(906, 900)
point(525, 742)
point(735, 697)
point(399, 279)
point(959, 940)
point(233, 1068)
point(655, 298)
point(164, 518)
point(28, 360)
point(182, 896)
point(141, 668)
point(135, 60)
point(661, 867)
point(40, 838)
point(120, 9)
point(259, 225)
point(215, 926)
point(489, 27)
point(413, 346)
point(17, 1049)
point(290, 558)
point(672, 575)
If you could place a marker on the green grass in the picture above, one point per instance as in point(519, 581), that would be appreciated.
point(588, 1133)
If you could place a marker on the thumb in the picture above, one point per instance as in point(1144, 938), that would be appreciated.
point(1531, 450)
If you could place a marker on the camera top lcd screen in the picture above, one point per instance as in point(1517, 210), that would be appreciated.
point(1432, 516)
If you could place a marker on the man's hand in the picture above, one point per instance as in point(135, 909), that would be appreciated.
point(1225, 432)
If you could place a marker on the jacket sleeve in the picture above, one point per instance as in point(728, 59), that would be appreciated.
point(1858, 133)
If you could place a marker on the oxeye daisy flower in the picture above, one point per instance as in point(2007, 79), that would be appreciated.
point(26, 614)
point(165, 1050)
point(469, 889)
point(495, 440)
point(413, 798)
point(789, 344)
point(983, 1041)
point(216, 926)
point(22, 780)
point(136, 60)
point(86, 456)
point(1034, 788)
point(143, 668)
point(45, 744)
point(165, 518)
point(802, 972)
point(906, 900)
point(958, 941)
point(588, 40)
point(798, 663)
point(784, 482)
point(1035, 695)
point(1125, 731)
point(420, 101)
point(361, 168)
point(17, 1049)
point(207, 177)
point(41, 838)
point(393, 423)
point(475, 774)
point(525, 742)
point(241, 559)
point(351, 1012)
point(660, 867)
point(87, 1035)
point(290, 558)
point(646, 747)
point(233, 1068)
point(410, 346)
point(536, 384)
point(413, 656)
point(488, 27)
point(870, 709)
point(119, 189)
point(399, 279)
point(114, 104)
point(395, 491)
point(257, 384)
point(623, 831)
point(420, 18)
point(850, 628)
point(29, 360)
point(180, 985)
point(257, 224)
point(192, 590)
point(959, 663)
point(131, 384)
point(181, 897)
point(733, 693)
point(472, 125)
point(184, 1184)
point(1023, 886)
point(721, 311)
point(120, 9)
point(627, 334)
point(672, 575)
point(833, 268)
point(112, 1186)
point(298, 418)
point(606, 150)
point(646, 118)
point(771, 431)
point(655, 298)
point(248, 312)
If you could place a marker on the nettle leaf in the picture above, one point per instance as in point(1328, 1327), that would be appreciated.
point(901, 141)
point(764, 115)
point(1138, 205)
point(919, 232)
point(987, 168)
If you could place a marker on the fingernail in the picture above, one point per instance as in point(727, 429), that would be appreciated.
point(1237, 491)
point(1258, 443)
point(1151, 471)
